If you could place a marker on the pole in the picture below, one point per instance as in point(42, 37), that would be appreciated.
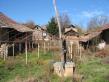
point(32, 45)
point(60, 41)
point(44, 48)
point(58, 20)
point(59, 25)
point(48, 46)
point(71, 51)
point(26, 50)
point(38, 50)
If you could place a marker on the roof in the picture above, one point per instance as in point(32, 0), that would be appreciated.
point(69, 29)
point(9, 23)
point(93, 34)
point(104, 27)
point(89, 36)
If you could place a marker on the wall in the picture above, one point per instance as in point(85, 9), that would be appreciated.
point(4, 35)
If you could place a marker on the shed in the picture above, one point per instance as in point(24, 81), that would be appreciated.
point(12, 32)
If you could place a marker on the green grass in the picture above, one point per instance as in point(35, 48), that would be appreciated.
point(94, 71)
point(36, 67)
point(40, 68)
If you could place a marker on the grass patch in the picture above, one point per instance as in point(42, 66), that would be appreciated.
point(41, 69)
point(94, 71)
point(36, 67)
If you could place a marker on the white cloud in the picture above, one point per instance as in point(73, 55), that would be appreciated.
point(90, 14)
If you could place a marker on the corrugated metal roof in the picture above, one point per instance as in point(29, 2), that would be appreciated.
point(12, 24)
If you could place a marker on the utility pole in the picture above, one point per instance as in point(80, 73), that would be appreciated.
point(64, 66)
point(58, 20)
point(59, 27)
point(60, 41)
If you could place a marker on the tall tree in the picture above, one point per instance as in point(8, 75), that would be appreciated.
point(52, 27)
point(97, 22)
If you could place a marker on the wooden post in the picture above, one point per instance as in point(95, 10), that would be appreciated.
point(71, 51)
point(80, 52)
point(5, 51)
point(48, 46)
point(38, 50)
point(32, 45)
point(26, 52)
point(13, 49)
point(20, 47)
point(44, 48)
point(87, 45)
point(4, 54)
point(29, 45)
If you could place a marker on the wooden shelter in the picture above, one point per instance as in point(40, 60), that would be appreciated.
point(101, 35)
point(71, 36)
point(71, 31)
point(14, 34)
point(40, 34)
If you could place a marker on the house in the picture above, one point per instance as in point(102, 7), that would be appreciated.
point(98, 35)
point(41, 34)
point(71, 33)
point(12, 32)
point(71, 36)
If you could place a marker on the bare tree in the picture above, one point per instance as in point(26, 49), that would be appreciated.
point(80, 29)
point(30, 24)
point(97, 22)
point(65, 21)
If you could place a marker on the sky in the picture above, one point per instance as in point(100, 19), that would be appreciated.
point(40, 11)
